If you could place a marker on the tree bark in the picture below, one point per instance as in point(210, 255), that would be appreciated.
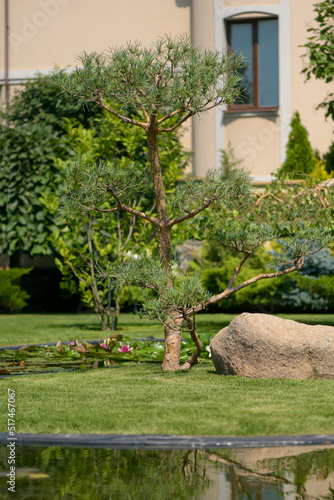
point(194, 358)
point(164, 231)
point(171, 360)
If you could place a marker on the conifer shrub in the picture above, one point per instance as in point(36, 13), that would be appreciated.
point(300, 158)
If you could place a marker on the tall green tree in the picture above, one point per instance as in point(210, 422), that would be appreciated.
point(320, 50)
point(174, 80)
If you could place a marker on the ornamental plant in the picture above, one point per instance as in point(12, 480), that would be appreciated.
point(167, 84)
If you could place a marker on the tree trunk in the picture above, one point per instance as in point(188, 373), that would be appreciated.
point(164, 231)
point(171, 360)
point(104, 326)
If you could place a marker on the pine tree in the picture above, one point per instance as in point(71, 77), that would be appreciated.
point(174, 81)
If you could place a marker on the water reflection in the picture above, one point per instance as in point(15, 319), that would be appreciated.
point(89, 474)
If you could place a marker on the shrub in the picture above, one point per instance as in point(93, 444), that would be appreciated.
point(11, 296)
point(300, 158)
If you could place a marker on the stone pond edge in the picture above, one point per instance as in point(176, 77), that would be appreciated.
point(163, 441)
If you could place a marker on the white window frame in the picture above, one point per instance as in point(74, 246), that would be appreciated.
point(282, 12)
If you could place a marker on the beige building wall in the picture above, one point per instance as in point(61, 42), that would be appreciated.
point(49, 33)
point(203, 126)
point(255, 140)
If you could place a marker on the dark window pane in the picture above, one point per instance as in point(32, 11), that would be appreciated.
point(242, 42)
point(268, 62)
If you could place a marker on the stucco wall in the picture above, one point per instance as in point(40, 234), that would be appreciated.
point(46, 33)
point(255, 140)
point(203, 126)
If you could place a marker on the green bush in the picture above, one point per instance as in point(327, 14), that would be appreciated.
point(12, 298)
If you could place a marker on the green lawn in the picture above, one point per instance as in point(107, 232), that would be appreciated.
point(139, 398)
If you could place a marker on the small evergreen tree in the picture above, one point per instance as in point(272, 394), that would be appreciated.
point(300, 158)
point(167, 84)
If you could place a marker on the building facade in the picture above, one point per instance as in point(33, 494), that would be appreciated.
point(45, 34)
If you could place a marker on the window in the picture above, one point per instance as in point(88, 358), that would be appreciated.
point(257, 40)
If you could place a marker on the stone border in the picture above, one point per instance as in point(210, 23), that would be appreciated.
point(164, 441)
point(50, 344)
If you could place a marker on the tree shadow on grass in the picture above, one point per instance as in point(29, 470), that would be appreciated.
point(76, 326)
point(212, 372)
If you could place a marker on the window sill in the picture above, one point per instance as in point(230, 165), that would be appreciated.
point(248, 112)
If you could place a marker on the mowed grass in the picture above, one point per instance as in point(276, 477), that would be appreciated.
point(140, 399)
point(133, 398)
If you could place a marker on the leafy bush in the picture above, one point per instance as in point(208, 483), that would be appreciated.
point(11, 296)
point(320, 172)
point(28, 147)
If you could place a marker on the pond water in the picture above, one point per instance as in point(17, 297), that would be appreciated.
point(100, 474)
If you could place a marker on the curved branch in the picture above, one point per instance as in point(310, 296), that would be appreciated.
point(93, 208)
point(194, 358)
point(133, 211)
point(188, 115)
point(121, 117)
point(229, 291)
point(190, 215)
point(170, 115)
point(238, 269)
point(142, 108)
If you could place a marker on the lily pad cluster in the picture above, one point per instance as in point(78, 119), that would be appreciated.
point(84, 355)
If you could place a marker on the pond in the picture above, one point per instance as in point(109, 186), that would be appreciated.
point(221, 474)
point(81, 355)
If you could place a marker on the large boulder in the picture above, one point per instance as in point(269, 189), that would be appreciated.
point(263, 346)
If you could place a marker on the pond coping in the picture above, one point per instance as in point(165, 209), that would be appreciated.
point(163, 441)
point(49, 344)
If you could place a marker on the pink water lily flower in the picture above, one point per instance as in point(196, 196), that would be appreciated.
point(125, 348)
